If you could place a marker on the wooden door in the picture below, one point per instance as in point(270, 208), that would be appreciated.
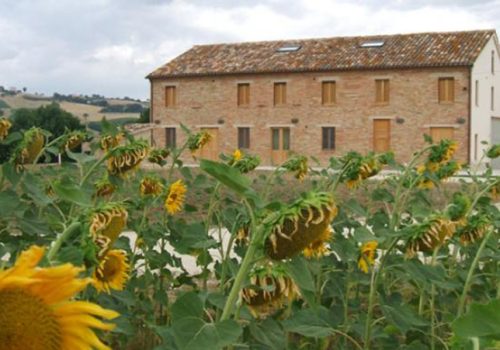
point(211, 149)
point(381, 135)
point(441, 133)
point(280, 145)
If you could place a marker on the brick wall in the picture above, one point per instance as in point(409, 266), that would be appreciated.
point(208, 101)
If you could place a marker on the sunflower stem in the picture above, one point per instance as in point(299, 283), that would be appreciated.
point(468, 280)
point(62, 237)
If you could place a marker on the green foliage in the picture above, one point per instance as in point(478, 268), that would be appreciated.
point(117, 122)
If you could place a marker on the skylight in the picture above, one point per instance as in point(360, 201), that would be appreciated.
point(289, 48)
point(375, 43)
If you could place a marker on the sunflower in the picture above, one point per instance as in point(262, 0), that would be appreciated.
point(110, 141)
point(112, 272)
point(271, 288)
point(493, 152)
point(198, 141)
point(474, 229)
point(126, 158)
point(442, 152)
point(358, 168)
point(296, 226)
point(159, 156)
point(5, 125)
point(297, 164)
point(319, 247)
point(246, 163)
point(30, 147)
point(237, 155)
point(106, 224)
point(104, 187)
point(175, 197)
point(459, 207)
point(151, 186)
point(72, 140)
point(36, 312)
point(430, 235)
point(367, 255)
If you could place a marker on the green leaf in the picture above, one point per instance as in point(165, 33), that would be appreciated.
point(403, 317)
point(362, 235)
point(227, 175)
point(72, 255)
point(482, 320)
point(8, 202)
point(317, 323)
point(35, 188)
point(193, 333)
point(298, 270)
point(71, 192)
point(269, 333)
point(382, 195)
point(187, 305)
point(10, 173)
point(81, 158)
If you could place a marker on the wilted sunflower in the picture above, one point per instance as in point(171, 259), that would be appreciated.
point(493, 152)
point(159, 156)
point(110, 141)
point(297, 164)
point(475, 229)
point(5, 125)
point(495, 192)
point(247, 163)
point(442, 152)
point(430, 235)
point(36, 312)
point(175, 197)
point(270, 289)
point(358, 168)
point(459, 207)
point(448, 169)
point(367, 255)
point(29, 148)
point(104, 187)
point(125, 158)
point(112, 272)
point(106, 224)
point(319, 247)
point(72, 140)
point(198, 141)
point(151, 186)
point(297, 226)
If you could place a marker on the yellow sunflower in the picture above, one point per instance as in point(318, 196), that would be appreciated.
point(106, 224)
point(237, 155)
point(367, 255)
point(319, 247)
point(175, 197)
point(5, 125)
point(36, 312)
point(111, 141)
point(151, 186)
point(112, 272)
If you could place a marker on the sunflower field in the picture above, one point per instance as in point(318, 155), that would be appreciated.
point(125, 247)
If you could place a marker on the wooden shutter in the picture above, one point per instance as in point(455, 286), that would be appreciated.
point(446, 87)
point(170, 96)
point(328, 138)
point(243, 94)
point(170, 138)
point(382, 91)
point(328, 92)
point(381, 135)
point(279, 93)
point(441, 133)
point(244, 138)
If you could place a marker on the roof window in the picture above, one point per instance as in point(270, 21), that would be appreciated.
point(375, 43)
point(289, 48)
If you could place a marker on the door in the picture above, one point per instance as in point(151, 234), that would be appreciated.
point(381, 135)
point(211, 149)
point(495, 140)
point(280, 145)
point(441, 133)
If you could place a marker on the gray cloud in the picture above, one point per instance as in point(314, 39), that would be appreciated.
point(108, 46)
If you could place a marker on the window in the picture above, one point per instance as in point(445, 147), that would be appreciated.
point(279, 94)
point(244, 138)
point(375, 43)
point(493, 62)
point(170, 96)
point(243, 94)
point(280, 139)
point(328, 139)
point(441, 133)
point(446, 87)
point(492, 104)
point(382, 90)
point(475, 146)
point(170, 138)
point(328, 92)
point(289, 48)
point(476, 94)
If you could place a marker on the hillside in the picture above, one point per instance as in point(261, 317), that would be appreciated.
point(80, 110)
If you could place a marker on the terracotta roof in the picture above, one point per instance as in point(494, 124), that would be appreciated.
point(330, 54)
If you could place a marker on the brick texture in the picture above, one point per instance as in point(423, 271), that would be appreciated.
point(413, 107)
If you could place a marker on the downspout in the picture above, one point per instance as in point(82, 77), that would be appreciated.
point(151, 110)
point(469, 142)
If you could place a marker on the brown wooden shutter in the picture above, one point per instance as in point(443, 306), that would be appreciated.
point(381, 135)
point(243, 94)
point(170, 96)
point(279, 93)
point(328, 92)
point(446, 89)
point(382, 90)
point(441, 133)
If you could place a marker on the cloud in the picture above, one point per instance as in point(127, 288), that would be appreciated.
point(108, 46)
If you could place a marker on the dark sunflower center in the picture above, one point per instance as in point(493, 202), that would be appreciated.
point(27, 323)
point(110, 269)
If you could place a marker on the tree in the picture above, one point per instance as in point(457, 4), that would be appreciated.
point(144, 117)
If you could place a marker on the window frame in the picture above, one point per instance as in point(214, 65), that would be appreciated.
point(169, 143)
point(243, 135)
point(328, 134)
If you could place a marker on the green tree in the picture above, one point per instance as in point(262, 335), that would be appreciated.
point(144, 117)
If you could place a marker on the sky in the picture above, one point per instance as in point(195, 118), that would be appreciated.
point(107, 47)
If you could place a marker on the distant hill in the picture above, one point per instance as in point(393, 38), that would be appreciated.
point(87, 108)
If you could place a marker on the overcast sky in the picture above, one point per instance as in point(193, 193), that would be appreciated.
point(109, 46)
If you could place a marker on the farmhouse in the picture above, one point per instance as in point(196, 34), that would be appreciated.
point(324, 97)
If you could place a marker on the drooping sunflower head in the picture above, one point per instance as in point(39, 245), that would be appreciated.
point(270, 289)
point(197, 141)
point(110, 141)
point(298, 225)
point(459, 206)
point(247, 163)
point(126, 158)
point(30, 147)
point(430, 235)
point(5, 125)
point(475, 228)
point(448, 169)
point(493, 152)
point(106, 224)
point(297, 164)
point(443, 151)
point(112, 272)
point(150, 185)
point(159, 156)
point(495, 192)
point(37, 312)
point(367, 255)
point(175, 198)
point(319, 247)
point(357, 168)
point(104, 187)
point(72, 140)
